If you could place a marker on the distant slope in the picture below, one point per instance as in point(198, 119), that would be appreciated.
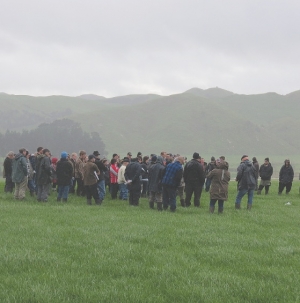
point(210, 93)
point(132, 99)
point(182, 123)
point(91, 97)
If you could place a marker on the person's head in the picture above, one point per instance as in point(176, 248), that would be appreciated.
point(10, 155)
point(22, 151)
point(168, 156)
point(125, 161)
point(139, 154)
point(287, 162)
point(145, 159)
point(213, 159)
point(74, 156)
point(163, 154)
point(27, 154)
point(54, 160)
point(64, 155)
point(222, 158)
point(46, 152)
point(91, 158)
point(113, 161)
point(139, 159)
point(129, 155)
point(254, 159)
point(154, 158)
point(196, 156)
point(202, 160)
point(180, 159)
point(82, 154)
point(104, 161)
point(39, 150)
point(267, 161)
point(96, 154)
point(244, 158)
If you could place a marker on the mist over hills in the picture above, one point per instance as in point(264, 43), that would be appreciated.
point(213, 121)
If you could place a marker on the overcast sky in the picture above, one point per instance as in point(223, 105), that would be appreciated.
point(111, 48)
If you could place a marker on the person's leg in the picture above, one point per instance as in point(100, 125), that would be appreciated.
point(45, 192)
point(39, 192)
point(267, 189)
point(239, 197)
point(172, 197)
point(181, 195)
point(151, 199)
point(288, 187)
point(280, 188)
point(260, 188)
point(65, 192)
point(165, 198)
point(197, 193)
point(188, 194)
point(17, 189)
point(101, 188)
point(207, 184)
point(220, 206)
point(212, 205)
point(88, 194)
point(250, 198)
point(158, 198)
point(59, 193)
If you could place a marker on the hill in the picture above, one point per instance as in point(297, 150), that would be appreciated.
point(210, 93)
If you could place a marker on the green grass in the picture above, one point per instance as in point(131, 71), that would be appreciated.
point(54, 252)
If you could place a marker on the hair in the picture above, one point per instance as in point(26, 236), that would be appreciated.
point(82, 152)
point(113, 161)
point(11, 153)
point(21, 150)
point(267, 159)
point(162, 153)
point(73, 154)
point(222, 158)
point(145, 158)
point(39, 149)
point(139, 158)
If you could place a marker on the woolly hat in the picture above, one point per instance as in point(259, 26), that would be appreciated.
point(91, 157)
point(196, 156)
point(64, 155)
point(54, 160)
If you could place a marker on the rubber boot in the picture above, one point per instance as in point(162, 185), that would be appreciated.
point(237, 206)
point(220, 210)
point(151, 205)
point(211, 209)
point(159, 206)
point(249, 206)
point(98, 201)
point(65, 199)
point(89, 201)
point(182, 202)
point(259, 192)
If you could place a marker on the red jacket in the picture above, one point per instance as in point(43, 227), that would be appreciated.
point(114, 176)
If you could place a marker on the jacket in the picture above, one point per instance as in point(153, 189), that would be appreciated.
point(173, 174)
point(102, 169)
point(256, 166)
point(89, 177)
point(246, 175)
point(133, 172)
point(121, 175)
point(266, 171)
point(286, 174)
point(8, 167)
point(44, 172)
point(79, 168)
point(19, 168)
point(156, 172)
point(220, 178)
point(194, 172)
point(113, 173)
point(64, 172)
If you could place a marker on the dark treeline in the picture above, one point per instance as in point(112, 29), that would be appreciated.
point(60, 135)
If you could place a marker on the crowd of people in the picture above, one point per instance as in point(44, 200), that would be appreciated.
point(160, 178)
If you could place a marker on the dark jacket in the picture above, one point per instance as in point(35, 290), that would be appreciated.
point(102, 169)
point(156, 172)
point(64, 172)
point(194, 173)
point(144, 168)
point(44, 171)
point(266, 171)
point(133, 172)
point(286, 174)
point(220, 177)
point(19, 168)
point(8, 167)
point(256, 166)
point(211, 165)
point(172, 175)
point(246, 175)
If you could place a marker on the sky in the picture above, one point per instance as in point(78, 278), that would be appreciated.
point(119, 47)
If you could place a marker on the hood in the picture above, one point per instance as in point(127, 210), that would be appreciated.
point(248, 163)
point(223, 165)
point(160, 160)
point(18, 156)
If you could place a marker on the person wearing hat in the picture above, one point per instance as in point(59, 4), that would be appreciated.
point(101, 182)
point(194, 177)
point(246, 179)
point(43, 176)
point(90, 178)
point(64, 173)
point(123, 191)
point(265, 173)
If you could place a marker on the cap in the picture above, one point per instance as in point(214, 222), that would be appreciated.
point(64, 155)
point(244, 156)
point(91, 157)
point(96, 153)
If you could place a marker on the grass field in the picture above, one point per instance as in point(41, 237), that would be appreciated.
point(54, 252)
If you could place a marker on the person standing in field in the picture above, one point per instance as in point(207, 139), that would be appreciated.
point(220, 178)
point(19, 174)
point(64, 173)
point(286, 177)
point(144, 167)
point(246, 182)
point(194, 178)
point(265, 173)
point(73, 160)
point(123, 191)
point(43, 176)
point(101, 182)
point(211, 165)
point(7, 172)
point(30, 175)
point(156, 172)
point(170, 182)
point(80, 162)
point(114, 186)
point(90, 170)
point(256, 166)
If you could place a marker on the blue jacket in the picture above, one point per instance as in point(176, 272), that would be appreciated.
point(173, 174)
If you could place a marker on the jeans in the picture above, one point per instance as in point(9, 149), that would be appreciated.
point(101, 189)
point(169, 197)
point(63, 191)
point(123, 191)
point(220, 203)
point(207, 184)
point(241, 193)
point(31, 185)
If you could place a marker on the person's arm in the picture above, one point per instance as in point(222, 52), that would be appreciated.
point(239, 173)
point(24, 166)
point(178, 177)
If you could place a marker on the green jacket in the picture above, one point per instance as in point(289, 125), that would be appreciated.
point(19, 168)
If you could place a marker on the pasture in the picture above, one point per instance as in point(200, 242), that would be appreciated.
point(71, 252)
